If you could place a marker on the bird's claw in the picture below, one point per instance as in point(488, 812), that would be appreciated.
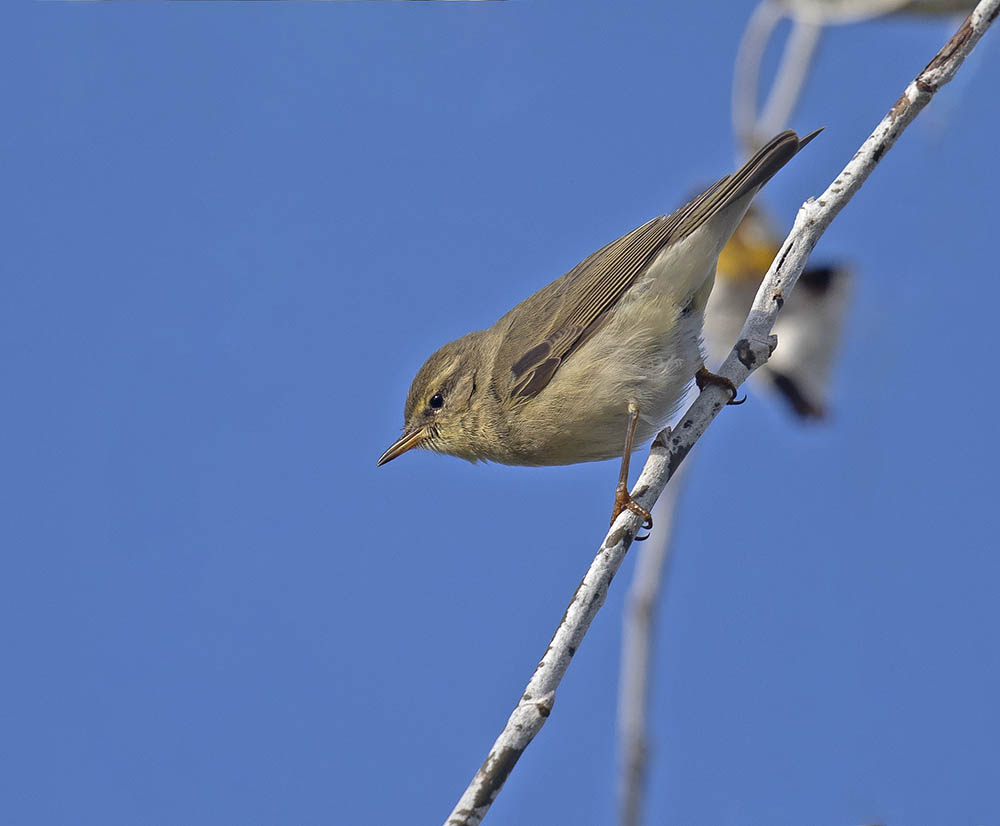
point(705, 377)
point(625, 502)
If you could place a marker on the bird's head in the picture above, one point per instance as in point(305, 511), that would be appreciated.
point(445, 402)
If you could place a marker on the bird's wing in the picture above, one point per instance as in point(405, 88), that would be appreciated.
point(597, 283)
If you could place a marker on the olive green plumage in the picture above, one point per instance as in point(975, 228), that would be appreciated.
point(550, 382)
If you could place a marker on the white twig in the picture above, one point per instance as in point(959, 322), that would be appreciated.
point(751, 127)
point(671, 446)
point(746, 72)
point(796, 61)
point(840, 12)
point(637, 647)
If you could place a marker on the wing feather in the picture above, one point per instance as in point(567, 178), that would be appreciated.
point(597, 283)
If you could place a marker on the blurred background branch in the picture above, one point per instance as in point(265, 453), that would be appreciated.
point(746, 75)
point(752, 124)
point(796, 60)
point(638, 628)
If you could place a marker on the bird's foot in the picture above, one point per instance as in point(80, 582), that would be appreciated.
point(625, 502)
point(704, 377)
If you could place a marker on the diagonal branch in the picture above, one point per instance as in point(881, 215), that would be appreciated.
point(671, 446)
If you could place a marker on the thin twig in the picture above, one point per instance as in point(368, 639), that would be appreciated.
point(671, 446)
point(751, 127)
point(637, 646)
point(841, 12)
point(796, 61)
point(746, 72)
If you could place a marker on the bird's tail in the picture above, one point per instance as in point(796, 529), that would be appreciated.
point(745, 181)
point(765, 164)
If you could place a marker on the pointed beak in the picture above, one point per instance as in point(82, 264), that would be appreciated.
point(403, 444)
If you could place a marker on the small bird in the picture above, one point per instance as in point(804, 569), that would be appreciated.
point(809, 327)
point(592, 365)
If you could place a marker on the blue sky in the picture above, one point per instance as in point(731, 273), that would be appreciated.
point(232, 235)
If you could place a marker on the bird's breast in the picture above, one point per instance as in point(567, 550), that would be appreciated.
point(647, 353)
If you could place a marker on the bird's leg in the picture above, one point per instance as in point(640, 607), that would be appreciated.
point(623, 499)
point(704, 377)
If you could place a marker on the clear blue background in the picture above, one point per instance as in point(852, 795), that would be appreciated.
point(232, 233)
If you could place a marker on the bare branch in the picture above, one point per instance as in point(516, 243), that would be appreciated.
point(796, 61)
point(840, 12)
point(637, 646)
point(671, 446)
point(751, 127)
point(746, 73)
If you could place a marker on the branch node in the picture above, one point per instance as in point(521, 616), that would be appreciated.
point(660, 442)
point(545, 703)
point(752, 354)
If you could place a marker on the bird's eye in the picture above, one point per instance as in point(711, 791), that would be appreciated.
point(437, 401)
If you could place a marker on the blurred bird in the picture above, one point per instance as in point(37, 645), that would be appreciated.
point(808, 329)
